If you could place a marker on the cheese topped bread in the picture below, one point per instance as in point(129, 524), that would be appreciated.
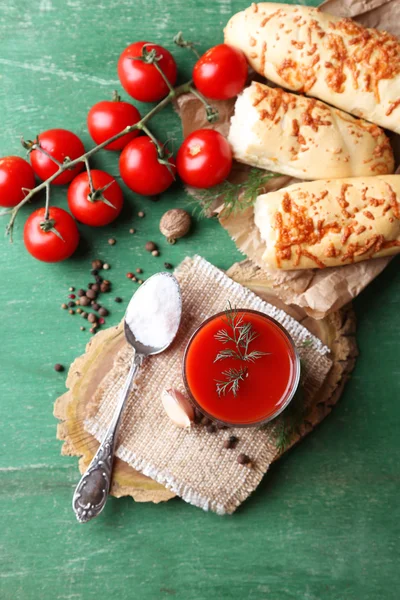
point(329, 223)
point(336, 60)
point(305, 138)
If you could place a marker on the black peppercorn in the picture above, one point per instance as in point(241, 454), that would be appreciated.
point(168, 265)
point(98, 279)
point(197, 416)
point(96, 306)
point(71, 304)
point(117, 299)
point(81, 292)
point(97, 264)
point(150, 246)
point(243, 459)
point(94, 272)
point(84, 301)
point(58, 367)
point(231, 442)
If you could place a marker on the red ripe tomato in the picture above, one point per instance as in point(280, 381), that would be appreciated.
point(221, 72)
point(141, 80)
point(15, 174)
point(46, 244)
point(60, 143)
point(107, 118)
point(141, 170)
point(91, 209)
point(204, 159)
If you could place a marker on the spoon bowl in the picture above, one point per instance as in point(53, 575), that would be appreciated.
point(134, 308)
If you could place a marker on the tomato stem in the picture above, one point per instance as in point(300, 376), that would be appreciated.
point(116, 97)
point(38, 147)
point(47, 207)
point(167, 81)
point(211, 112)
point(182, 43)
point(89, 174)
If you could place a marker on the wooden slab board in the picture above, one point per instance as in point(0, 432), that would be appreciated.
point(336, 330)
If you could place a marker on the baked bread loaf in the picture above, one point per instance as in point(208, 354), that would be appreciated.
point(305, 138)
point(333, 59)
point(330, 223)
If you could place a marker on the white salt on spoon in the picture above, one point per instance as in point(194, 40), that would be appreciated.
point(154, 313)
point(151, 323)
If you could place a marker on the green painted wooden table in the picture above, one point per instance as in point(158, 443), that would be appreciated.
point(323, 524)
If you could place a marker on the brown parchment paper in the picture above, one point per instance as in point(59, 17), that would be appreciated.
point(318, 292)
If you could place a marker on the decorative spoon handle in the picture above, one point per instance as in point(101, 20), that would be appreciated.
point(91, 493)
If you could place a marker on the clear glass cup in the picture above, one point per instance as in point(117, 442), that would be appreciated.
point(290, 390)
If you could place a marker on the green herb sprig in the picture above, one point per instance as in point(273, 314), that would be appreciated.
point(241, 335)
point(233, 377)
point(234, 196)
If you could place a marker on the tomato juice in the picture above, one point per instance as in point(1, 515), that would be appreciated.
point(268, 382)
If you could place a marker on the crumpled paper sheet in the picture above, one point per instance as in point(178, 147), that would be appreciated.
point(318, 292)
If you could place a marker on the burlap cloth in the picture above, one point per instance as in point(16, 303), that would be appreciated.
point(194, 464)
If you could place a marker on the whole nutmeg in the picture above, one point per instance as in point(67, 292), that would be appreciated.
point(174, 224)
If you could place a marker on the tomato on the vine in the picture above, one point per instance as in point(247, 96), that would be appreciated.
point(16, 174)
point(141, 79)
point(109, 117)
point(141, 170)
point(204, 159)
point(53, 239)
point(100, 207)
point(221, 72)
point(61, 144)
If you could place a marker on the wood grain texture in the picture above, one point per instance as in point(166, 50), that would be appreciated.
point(325, 524)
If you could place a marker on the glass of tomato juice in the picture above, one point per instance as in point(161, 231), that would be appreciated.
point(268, 369)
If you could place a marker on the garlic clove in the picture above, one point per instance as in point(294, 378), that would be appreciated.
point(177, 407)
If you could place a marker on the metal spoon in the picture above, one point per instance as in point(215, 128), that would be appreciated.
point(92, 491)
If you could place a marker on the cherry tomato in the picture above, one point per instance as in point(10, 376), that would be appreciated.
point(221, 72)
point(93, 210)
point(204, 159)
point(140, 169)
point(15, 174)
point(45, 244)
point(107, 118)
point(142, 81)
point(60, 143)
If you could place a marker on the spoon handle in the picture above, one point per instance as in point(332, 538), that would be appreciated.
point(91, 493)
